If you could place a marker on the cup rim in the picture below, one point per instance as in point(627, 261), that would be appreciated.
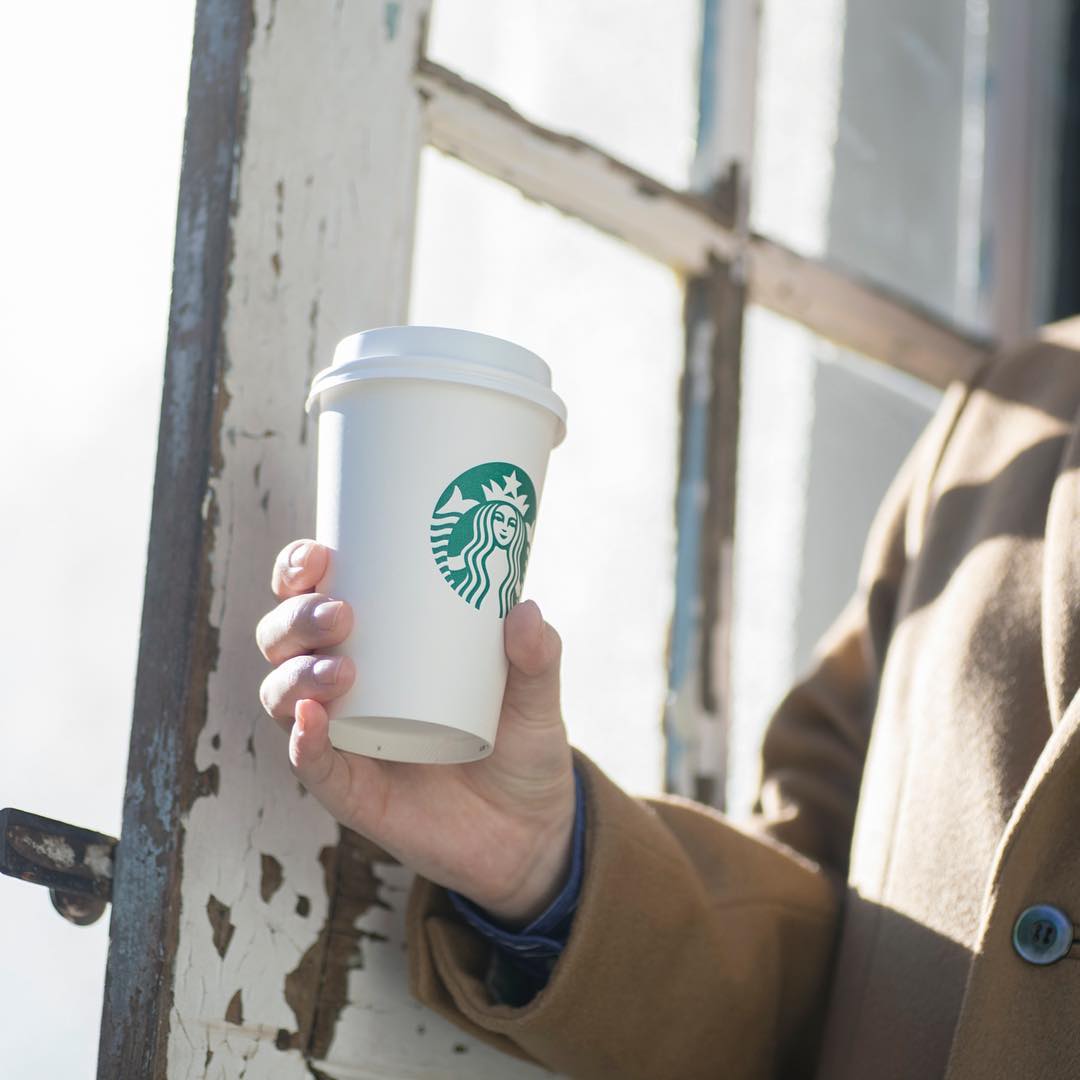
point(432, 367)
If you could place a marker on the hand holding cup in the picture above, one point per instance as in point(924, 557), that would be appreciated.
point(497, 830)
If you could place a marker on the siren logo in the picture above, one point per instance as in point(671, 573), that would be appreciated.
point(481, 533)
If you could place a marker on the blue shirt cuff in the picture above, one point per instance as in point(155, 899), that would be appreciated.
point(536, 947)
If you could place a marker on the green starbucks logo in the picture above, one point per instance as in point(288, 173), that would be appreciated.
point(481, 533)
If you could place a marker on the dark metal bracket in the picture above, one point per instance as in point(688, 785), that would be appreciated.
point(76, 865)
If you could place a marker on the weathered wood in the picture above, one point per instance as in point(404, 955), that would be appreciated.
point(862, 317)
point(470, 123)
point(699, 694)
point(271, 940)
point(178, 645)
point(686, 230)
point(698, 714)
point(715, 309)
point(720, 299)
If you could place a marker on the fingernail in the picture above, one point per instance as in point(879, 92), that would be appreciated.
point(326, 614)
point(299, 555)
point(326, 671)
point(538, 622)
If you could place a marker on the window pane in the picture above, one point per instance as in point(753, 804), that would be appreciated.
point(918, 143)
point(619, 73)
point(823, 433)
point(609, 324)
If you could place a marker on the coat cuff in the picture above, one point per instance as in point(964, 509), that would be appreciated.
point(534, 949)
point(681, 916)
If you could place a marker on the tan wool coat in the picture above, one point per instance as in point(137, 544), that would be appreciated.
point(921, 789)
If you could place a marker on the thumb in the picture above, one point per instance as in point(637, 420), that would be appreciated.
point(534, 650)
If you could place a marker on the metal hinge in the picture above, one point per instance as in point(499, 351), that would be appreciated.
point(76, 865)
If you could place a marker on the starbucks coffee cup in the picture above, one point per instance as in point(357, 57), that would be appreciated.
point(433, 446)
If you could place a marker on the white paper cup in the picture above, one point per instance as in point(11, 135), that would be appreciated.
point(433, 447)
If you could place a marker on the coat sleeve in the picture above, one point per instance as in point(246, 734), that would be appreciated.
point(702, 948)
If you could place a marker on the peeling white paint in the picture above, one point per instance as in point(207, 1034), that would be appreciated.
point(322, 240)
point(53, 848)
point(391, 1035)
point(99, 860)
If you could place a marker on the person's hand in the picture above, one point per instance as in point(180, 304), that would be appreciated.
point(498, 830)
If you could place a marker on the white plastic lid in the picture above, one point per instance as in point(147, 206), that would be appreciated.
point(442, 354)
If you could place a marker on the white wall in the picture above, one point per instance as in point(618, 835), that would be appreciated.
point(92, 100)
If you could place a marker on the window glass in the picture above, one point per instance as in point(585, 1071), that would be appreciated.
point(919, 145)
point(878, 130)
point(608, 322)
point(823, 433)
point(619, 73)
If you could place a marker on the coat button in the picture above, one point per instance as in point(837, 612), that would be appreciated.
point(1042, 934)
